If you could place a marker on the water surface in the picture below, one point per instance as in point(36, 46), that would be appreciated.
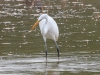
point(79, 40)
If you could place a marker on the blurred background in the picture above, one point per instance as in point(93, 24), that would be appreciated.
point(79, 26)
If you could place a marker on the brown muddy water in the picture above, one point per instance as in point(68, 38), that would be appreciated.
point(79, 41)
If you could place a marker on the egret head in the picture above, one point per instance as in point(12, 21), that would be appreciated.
point(43, 16)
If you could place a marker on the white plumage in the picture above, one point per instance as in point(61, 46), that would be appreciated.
point(48, 27)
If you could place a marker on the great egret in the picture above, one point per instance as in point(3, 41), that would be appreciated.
point(49, 29)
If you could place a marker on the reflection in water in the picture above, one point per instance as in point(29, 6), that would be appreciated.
point(79, 40)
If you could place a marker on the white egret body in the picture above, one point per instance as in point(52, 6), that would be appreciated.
point(49, 29)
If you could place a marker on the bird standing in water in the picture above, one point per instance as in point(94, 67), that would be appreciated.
point(49, 29)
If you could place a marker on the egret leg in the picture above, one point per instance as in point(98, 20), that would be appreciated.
point(57, 49)
point(46, 51)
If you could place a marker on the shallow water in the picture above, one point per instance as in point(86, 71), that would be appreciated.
point(78, 42)
point(35, 64)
